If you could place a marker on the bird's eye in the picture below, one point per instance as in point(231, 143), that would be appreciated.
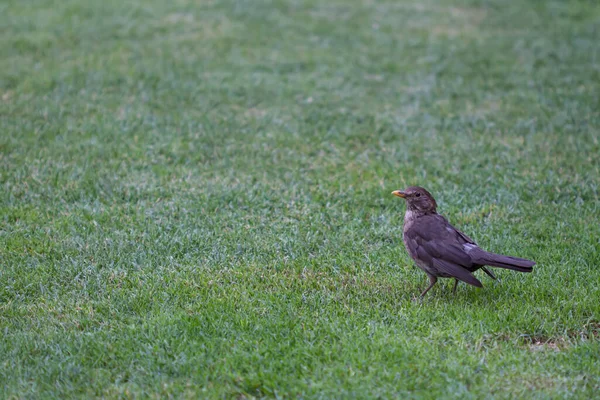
point(418, 194)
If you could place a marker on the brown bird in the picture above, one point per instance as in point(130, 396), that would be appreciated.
point(441, 250)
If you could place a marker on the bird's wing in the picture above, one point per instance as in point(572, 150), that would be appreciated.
point(456, 271)
point(435, 242)
point(438, 238)
point(464, 239)
point(459, 233)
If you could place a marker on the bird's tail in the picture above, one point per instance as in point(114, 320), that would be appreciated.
point(498, 260)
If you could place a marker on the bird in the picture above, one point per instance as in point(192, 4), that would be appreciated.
point(441, 250)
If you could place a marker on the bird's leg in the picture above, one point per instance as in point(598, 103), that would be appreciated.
point(455, 286)
point(432, 281)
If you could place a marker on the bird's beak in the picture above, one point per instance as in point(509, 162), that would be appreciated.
point(399, 193)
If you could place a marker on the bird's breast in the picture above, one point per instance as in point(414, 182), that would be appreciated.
point(409, 219)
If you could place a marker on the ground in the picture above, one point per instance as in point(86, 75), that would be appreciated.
point(195, 197)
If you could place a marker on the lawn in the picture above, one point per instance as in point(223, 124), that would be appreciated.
point(195, 197)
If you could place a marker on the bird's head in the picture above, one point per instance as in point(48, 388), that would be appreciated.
point(417, 199)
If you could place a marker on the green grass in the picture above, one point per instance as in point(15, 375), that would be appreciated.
point(195, 197)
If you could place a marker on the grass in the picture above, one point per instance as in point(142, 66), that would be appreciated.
point(195, 197)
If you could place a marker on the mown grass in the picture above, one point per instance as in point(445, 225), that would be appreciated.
point(196, 197)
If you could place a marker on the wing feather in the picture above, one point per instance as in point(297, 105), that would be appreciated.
point(456, 271)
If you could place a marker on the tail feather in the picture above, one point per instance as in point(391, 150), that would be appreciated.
point(508, 262)
point(490, 274)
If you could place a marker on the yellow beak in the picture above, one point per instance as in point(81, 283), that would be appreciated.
point(399, 193)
